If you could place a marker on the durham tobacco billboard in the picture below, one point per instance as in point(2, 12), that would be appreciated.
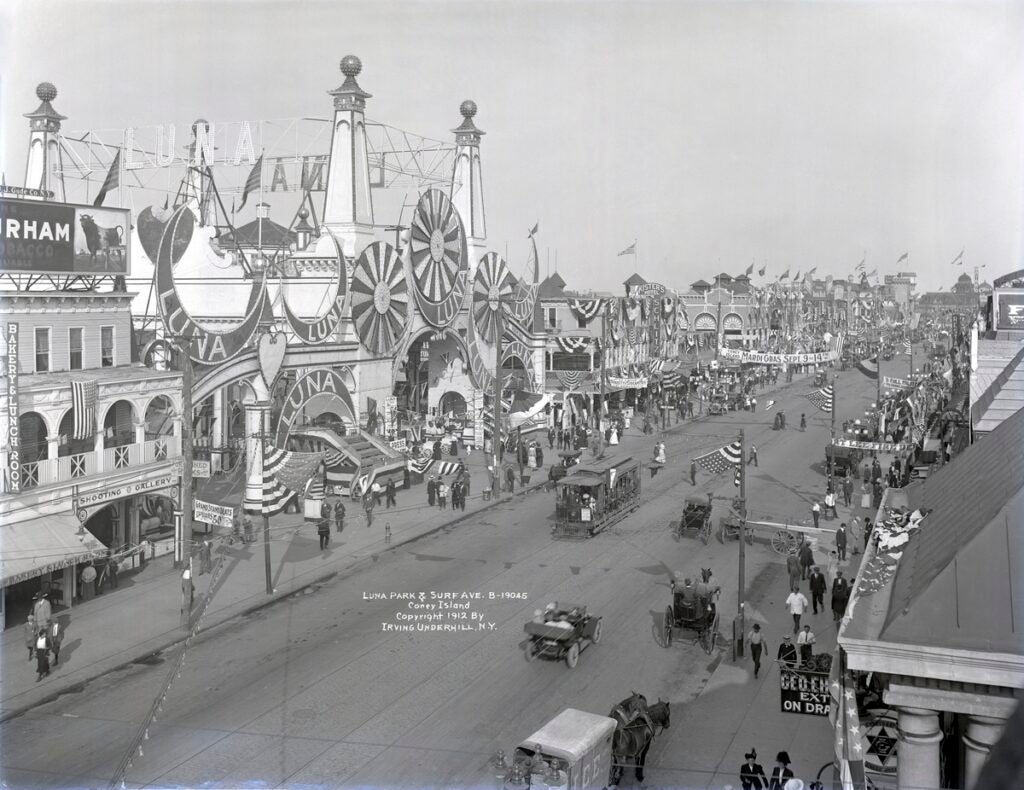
point(37, 237)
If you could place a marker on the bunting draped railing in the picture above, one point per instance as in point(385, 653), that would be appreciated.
point(574, 345)
point(585, 310)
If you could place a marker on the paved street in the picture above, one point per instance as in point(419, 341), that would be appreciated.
point(314, 691)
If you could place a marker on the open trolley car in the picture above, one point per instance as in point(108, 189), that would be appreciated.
point(595, 496)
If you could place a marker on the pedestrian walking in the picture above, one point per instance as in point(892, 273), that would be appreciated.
point(42, 654)
point(752, 776)
point(806, 555)
point(787, 652)
point(757, 644)
point(841, 542)
point(112, 569)
point(847, 490)
point(840, 596)
point(793, 568)
point(866, 473)
point(56, 637)
point(818, 586)
point(454, 494)
point(247, 529)
point(780, 773)
point(206, 557)
point(389, 494)
point(693, 472)
point(753, 405)
point(442, 495)
point(551, 438)
point(816, 513)
point(368, 508)
point(376, 491)
point(88, 583)
point(41, 610)
point(30, 635)
point(805, 644)
point(876, 501)
point(868, 527)
point(753, 455)
point(830, 505)
point(323, 530)
point(510, 479)
point(339, 515)
point(431, 491)
point(689, 407)
point(803, 422)
point(796, 603)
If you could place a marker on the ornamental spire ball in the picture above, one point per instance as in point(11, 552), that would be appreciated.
point(46, 91)
point(351, 66)
point(468, 108)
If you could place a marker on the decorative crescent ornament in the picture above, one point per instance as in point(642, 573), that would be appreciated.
point(438, 252)
point(380, 297)
point(492, 284)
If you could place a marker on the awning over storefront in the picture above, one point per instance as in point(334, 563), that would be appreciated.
point(43, 544)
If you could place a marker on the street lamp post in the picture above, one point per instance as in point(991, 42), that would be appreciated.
point(183, 519)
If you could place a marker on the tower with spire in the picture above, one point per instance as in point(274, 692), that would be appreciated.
point(348, 206)
point(45, 169)
point(467, 183)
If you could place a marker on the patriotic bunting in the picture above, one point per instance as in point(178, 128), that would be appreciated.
point(570, 379)
point(285, 473)
point(440, 468)
point(573, 345)
point(822, 399)
point(864, 366)
point(585, 310)
point(720, 460)
point(632, 309)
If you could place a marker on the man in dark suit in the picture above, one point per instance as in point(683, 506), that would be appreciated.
point(818, 585)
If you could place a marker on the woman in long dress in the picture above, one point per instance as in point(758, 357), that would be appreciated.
point(88, 582)
point(613, 439)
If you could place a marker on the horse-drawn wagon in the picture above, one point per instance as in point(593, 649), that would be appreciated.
point(595, 496)
point(729, 525)
point(693, 609)
point(696, 517)
point(718, 403)
point(574, 750)
point(562, 632)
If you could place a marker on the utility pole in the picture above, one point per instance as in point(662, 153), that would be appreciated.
point(835, 403)
point(183, 524)
point(496, 433)
point(740, 604)
point(263, 509)
point(604, 353)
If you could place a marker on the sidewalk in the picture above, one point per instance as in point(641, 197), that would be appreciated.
point(143, 615)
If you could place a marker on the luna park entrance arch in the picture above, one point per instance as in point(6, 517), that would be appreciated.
point(315, 385)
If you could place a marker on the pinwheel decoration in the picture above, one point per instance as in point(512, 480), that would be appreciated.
point(380, 297)
point(438, 250)
point(492, 285)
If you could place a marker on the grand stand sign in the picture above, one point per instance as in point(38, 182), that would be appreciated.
point(39, 237)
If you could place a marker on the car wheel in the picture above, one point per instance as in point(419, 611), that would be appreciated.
point(597, 633)
point(572, 658)
point(530, 652)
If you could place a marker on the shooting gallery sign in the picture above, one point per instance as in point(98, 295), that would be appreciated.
point(38, 237)
point(803, 692)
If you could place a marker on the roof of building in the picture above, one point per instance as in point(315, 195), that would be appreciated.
point(700, 284)
point(552, 287)
point(997, 385)
point(112, 375)
point(635, 279)
point(1007, 280)
point(274, 235)
point(955, 586)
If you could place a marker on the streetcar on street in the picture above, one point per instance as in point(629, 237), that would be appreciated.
point(595, 496)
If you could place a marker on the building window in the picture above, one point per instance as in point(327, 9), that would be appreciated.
point(107, 346)
point(42, 349)
point(551, 317)
point(563, 361)
point(581, 323)
point(75, 348)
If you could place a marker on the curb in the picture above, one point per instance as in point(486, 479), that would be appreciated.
point(270, 600)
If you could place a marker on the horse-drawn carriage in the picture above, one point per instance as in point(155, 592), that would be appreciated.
point(729, 525)
point(842, 458)
point(696, 517)
point(820, 378)
point(596, 496)
point(693, 609)
point(562, 632)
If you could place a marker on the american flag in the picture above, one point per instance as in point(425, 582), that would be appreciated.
point(83, 403)
point(822, 399)
point(253, 182)
point(718, 461)
point(285, 473)
point(849, 744)
point(112, 181)
point(907, 345)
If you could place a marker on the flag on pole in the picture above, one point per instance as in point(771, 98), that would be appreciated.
point(761, 271)
point(253, 181)
point(750, 270)
point(822, 399)
point(849, 741)
point(903, 257)
point(860, 266)
point(796, 277)
point(533, 232)
point(83, 404)
point(784, 275)
point(718, 461)
point(959, 259)
point(630, 250)
point(112, 181)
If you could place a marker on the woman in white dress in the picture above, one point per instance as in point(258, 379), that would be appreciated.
point(614, 438)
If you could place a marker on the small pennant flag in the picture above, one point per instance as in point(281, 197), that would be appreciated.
point(903, 257)
point(112, 181)
point(253, 181)
point(785, 275)
point(872, 273)
point(771, 403)
point(750, 270)
point(630, 250)
point(822, 399)
point(720, 460)
point(83, 404)
point(959, 259)
point(533, 232)
point(761, 271)
point(796, 276)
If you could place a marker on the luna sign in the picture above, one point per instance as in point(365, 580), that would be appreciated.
point(205, 347)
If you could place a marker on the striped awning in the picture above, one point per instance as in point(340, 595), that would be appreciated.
point(43, 544)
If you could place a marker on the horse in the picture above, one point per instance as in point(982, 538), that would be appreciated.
point(638, 724)
point(708, 587)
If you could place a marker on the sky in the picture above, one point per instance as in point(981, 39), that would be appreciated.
point(789, 135)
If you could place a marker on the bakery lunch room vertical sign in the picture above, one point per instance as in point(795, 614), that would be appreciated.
point(13, 437)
